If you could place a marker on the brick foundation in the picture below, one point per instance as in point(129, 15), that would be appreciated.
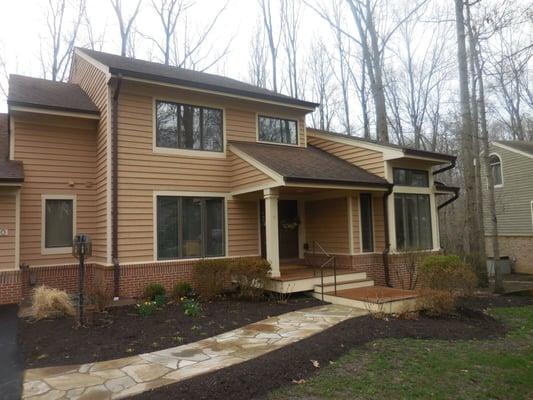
point(518, 248)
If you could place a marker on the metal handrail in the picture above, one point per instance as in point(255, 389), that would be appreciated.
point(330, 259)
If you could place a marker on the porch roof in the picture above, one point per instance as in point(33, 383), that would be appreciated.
point(308, 164)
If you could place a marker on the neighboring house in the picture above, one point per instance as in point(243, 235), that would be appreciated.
point(162, 166)
point(511, 165)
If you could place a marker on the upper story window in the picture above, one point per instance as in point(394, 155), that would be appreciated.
point(183, 126)
point(277, 130)
point(411, 177)
point(495, 165)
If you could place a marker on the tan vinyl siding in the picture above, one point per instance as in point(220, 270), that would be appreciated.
point(379, 223)
point(327, 223)
point(8, 220)
point(244, 175)
point(369, 160)
point(513, 199)
point(59, 156)
point(243, 227)
point(356, 224)
point(93, 82)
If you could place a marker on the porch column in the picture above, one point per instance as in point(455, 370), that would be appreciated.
point(271, 230)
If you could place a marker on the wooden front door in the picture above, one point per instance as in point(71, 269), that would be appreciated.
point(287, 230)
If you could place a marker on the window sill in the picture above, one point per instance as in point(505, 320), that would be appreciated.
point(189, 153)
point(279, 144)
point(56, 250)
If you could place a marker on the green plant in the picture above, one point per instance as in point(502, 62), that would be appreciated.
point(146, 308)
point(160, 300)
point(178, 339)
point(447, 272)
point(191, 307)
point(153, 290)
point(250, 275)
point(51, 303)
point(181, 289)
point(210, 275)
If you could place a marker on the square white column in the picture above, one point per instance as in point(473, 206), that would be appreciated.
point(271, 230)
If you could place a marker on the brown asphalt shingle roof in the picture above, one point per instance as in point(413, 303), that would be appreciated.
point(10, 171)
point(141, 69)
point(308, 164)
point(33, 92)
point(520, 145)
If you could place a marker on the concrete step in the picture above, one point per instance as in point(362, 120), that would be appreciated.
point(356, 283)
point(308, 283)
point(388, 307)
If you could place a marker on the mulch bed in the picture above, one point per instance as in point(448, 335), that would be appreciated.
point(256, 378)
point(121, 332)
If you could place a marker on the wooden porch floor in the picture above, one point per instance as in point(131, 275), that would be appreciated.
point(291, 272)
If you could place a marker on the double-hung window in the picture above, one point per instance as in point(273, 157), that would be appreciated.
point(183, 126)
point(277, 130)
point(189, 227)
point(413, 221)
point(58, 223)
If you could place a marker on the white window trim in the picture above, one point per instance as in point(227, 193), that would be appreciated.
point(188, 152)
point(56, 250)
point(277, 116)
point(224, 196)
point(501, 169)
point(531, 208)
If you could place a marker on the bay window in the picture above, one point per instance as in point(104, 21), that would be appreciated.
point(182, 126)
point(189, 227)
point(410, 177)
point(413, 221)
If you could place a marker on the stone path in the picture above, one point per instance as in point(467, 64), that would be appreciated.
point(128, 376)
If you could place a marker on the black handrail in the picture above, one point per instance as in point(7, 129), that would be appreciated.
point(329, 259)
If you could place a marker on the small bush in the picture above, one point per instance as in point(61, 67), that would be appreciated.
point(98, 292)
point(51, 303)
point(437, 302)
point(210, 275)
point(250, 275)
point(447, 272)
point(146, 308)
point(153, 290)
point(181, 289)
point(191, 307)
point(160, 300)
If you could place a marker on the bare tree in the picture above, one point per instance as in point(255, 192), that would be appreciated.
point(290, 17)
point(273, 39)
point(125, 23)
point(63, 21)
point(257, 66)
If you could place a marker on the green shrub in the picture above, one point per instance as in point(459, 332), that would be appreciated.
point(181, 289)
point(191, 307)
point(160, 300)
point(447, 272)
point(146, 308)
point(250, 275)
point(210, 275)
point(153, 290)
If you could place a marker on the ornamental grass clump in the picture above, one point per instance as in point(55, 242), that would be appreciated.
point(51, 303)
point(443, 279)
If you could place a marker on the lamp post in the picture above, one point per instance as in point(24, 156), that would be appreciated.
point(81, 249)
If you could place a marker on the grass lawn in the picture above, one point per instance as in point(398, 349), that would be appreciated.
point(431, 369)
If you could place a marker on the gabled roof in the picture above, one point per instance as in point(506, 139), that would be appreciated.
point(140, 69)
point(10, 171)
point(517, 145)
point(25, 91)
point(406, 150)
point(308, 164)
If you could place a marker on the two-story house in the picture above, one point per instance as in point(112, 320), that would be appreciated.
point(162, 166)
point(511, 166)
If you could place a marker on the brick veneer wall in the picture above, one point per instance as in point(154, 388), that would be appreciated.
point(519, 248)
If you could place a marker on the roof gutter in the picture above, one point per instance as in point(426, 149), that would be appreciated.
point(446, 168)
point(455, 191)
point(386, 250)
point(114, 185)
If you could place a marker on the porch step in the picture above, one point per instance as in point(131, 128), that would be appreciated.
point(304, 284)
point(356, 283)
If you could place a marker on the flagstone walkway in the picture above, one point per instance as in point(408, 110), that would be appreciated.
point(116, 379)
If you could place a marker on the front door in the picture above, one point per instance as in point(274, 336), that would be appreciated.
point(287, 229)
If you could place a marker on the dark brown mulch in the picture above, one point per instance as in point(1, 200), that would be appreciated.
point(258, 377)
point(122, 332)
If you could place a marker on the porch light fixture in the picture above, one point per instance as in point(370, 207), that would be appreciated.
point(81, 249)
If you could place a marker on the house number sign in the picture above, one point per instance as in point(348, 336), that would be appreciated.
point(3, 232)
